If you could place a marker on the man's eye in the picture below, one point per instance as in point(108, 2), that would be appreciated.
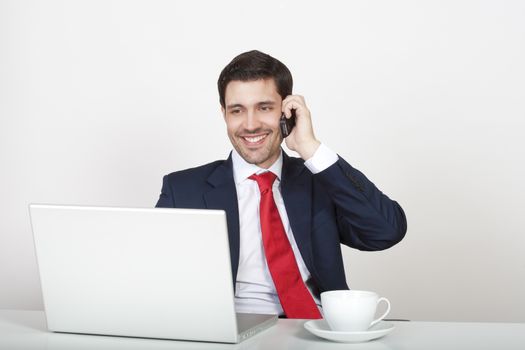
point(266, 108)
point(235, 111)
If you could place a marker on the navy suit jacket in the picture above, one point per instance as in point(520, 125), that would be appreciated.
point(337, 205)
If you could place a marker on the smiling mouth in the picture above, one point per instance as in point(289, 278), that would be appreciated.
point(254, 140)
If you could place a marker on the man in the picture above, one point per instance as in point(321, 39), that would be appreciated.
point(286, 216)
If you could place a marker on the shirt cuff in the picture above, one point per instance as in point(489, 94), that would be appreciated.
point(322, 159)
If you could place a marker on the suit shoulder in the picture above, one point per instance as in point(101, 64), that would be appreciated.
point(201, 172)
point(296, 161)
point(293, 165)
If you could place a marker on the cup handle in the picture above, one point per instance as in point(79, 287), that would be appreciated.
point(386, 312)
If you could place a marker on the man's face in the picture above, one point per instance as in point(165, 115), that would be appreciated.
point(252, 112)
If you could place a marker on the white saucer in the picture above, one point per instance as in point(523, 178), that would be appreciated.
point(321, 329)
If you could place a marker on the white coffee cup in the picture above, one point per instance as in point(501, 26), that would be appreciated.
point(351, 310)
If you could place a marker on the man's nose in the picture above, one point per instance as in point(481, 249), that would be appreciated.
point(252, 121)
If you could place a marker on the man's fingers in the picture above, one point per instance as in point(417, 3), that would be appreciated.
point(293, 102)
point(287, 108)
point(299, 100)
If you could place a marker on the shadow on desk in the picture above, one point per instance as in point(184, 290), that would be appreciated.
point(396, 320)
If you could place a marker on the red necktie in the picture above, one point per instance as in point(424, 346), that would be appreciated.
point(296, 300)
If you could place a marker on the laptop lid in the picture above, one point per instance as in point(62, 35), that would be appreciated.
point(159, 273)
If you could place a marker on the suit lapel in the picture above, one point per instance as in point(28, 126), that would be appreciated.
point(297, 195)
point(223, 195)
point(296, 190)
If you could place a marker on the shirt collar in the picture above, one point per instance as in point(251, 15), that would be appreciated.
point(242, 169)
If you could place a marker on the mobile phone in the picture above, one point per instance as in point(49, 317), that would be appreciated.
point(287, 124)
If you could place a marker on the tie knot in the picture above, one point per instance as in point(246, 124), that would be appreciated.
point(264, 181)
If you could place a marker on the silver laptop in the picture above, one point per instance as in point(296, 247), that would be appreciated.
point(154, 273)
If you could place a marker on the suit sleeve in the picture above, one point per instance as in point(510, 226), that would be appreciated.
point(166, 199)
point(367, 219)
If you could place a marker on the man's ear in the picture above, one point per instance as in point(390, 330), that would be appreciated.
point(223, 112)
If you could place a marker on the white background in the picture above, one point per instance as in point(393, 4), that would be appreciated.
point(100, 99)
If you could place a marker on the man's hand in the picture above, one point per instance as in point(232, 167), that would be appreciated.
point(302, 139)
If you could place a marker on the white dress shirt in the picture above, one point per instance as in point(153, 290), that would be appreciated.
point(255, 291)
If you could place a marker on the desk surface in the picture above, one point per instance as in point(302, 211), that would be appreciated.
point(27, 330)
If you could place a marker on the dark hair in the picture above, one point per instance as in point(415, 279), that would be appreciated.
point(255, 65)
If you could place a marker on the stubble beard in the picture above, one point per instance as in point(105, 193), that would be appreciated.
point(260, 156)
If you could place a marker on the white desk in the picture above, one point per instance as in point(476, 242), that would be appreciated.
point(26, 330)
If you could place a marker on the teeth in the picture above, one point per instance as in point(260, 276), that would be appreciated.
point(255, 139)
